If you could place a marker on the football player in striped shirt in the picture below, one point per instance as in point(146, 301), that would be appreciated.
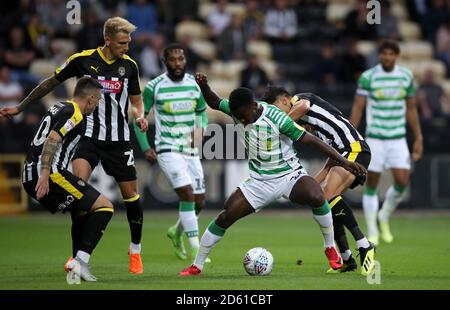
point(387, 92)
point(46, 178)
point(180, 112)
point(107, 134)
point(324, 120)
point(275, 170)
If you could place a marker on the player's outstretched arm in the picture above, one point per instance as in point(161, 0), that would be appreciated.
point(299, 109)
point(324, 148)
point(51, 144)
point(40, 91)
point(210, 96)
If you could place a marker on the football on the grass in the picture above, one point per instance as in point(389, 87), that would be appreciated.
point(258, 262)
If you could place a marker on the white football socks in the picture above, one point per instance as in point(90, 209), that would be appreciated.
point(208, 241)
point(370, 206)
point(392, 200)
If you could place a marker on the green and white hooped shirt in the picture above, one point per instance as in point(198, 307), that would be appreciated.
point(386, 94)
point(269, 142)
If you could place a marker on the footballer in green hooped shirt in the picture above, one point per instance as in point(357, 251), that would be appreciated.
point(268, 134)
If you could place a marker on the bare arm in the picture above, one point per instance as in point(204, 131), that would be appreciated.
point(40, 91)
point(299, 109)
point(324, 148)
point(357, 110)
point(49, 149)
point(137, 108)
point(414, 124)
point(210, 96)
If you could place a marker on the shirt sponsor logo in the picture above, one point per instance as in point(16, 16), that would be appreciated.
point(69, 125)
point(114, 87)
point(180, 106)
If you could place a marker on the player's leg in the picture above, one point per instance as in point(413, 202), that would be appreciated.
point(175, 232)
point(235, 208)
point(84, 161)
point(198, 185)
point(69, 193)
point(307, 191)
point(337, 181)
point(370, 201)
point(118, 161)
point(399, 163)
point(135, 217)
point(97, 219)
point(370, 204)
point(394, 196)
point(82, 168)
point(187, 216)
point(176, 169)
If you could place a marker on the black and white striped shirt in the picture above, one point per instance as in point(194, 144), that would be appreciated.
point(330, 124)
point(119, 78)
point(66, 119)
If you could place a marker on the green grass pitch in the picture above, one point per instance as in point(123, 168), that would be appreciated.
point(35, 247)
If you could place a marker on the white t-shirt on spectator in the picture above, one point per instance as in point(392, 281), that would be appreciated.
point(278, 23)
point(218, 21)
point(10, 89)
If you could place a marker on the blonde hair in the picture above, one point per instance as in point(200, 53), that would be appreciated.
point(115, 25)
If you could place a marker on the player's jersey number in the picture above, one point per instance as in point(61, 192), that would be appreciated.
point(43, 131)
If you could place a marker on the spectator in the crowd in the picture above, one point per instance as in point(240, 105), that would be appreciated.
point(326, 68)
point(253, 20)
point(22, 14)
point(431, 98)
point(91, 33)
point(388, 28)
point(280, 23)
point(143, 16)
point(351, 64)
point(417, 10)
point(231, 43)
point(10, 91)
point(19, 55)
point(53, 14)
point(112, 8)
point(150, 58)
point(434, 108)
point(253, 76)
point(436, 16)
point(356, 25)
point(193, 58)
point(218, 19)
point(183, 9)
point(443, 45)
point(39, 35)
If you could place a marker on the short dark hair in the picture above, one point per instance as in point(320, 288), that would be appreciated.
point(389, 44)
point(171, 47)
point(272, 93)
point(85, 85)
point(239, 97)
